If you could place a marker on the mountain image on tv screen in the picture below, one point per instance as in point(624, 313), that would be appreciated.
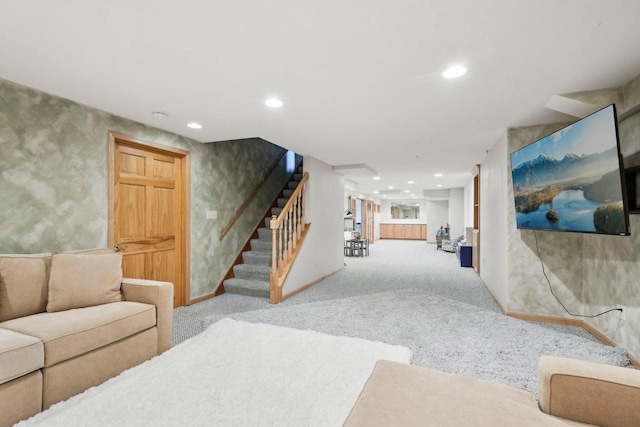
point(571, 180)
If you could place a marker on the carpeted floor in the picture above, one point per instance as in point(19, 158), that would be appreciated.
point(415, 266)
point(392, 265)
point(442, 333)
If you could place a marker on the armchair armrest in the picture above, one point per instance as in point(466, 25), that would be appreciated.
point(159, 294)
point(588, 392)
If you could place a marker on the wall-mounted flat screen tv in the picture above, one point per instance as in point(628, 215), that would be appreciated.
point(572, 180)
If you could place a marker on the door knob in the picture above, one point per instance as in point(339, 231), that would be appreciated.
point(118, 247)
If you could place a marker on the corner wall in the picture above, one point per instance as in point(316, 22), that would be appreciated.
point(493, 217)
point(589, 273)
point(322, 252)
point(53, 181)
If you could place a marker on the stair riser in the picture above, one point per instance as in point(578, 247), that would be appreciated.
point(261, 245)
point(264, 233)
point(287, 193)
point(297, 177)
point(241, 273)
point(282, 202)
point(234, 287)
point(252, 259)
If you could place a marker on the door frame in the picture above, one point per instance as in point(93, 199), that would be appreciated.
point(185, 156)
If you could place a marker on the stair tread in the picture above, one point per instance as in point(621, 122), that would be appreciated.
point(261, 245)
point(266, 254)
point(257, 257)
point(250, 287)
point(253, 268)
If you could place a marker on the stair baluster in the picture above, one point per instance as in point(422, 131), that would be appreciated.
point(288, 229)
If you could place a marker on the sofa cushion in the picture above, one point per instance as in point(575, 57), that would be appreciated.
point(405, 395)
point(19, 355)
point(69, 333)
point(23, 284)
point(609, 395)
point(84, 279)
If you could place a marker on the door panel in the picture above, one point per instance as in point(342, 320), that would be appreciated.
point(133, 266)
point(131, 212)
point(149, 213)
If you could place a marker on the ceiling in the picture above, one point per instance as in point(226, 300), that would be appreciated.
point(360, 80)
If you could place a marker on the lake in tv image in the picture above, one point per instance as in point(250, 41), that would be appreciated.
point(574, 213)
point(570, 180)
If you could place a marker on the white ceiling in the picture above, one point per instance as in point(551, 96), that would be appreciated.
point(360, 80)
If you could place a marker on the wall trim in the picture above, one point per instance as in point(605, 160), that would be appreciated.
point(562, 321)
point(315, 282)
point(573, 322)
point(202, 298)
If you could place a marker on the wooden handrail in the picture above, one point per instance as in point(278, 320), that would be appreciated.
point(295, 193)
point(251, 197)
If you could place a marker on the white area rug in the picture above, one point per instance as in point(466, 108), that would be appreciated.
point(234, 374)
point(442, 333)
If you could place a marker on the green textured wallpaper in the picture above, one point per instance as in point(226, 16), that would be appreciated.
point(53, 181)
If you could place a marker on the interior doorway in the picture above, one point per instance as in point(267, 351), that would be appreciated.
point(364, 211)
point(149, 211)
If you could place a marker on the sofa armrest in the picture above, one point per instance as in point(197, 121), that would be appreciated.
point(589, 392)
point(159, 294)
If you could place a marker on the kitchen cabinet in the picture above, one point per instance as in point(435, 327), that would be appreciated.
point(403, 231)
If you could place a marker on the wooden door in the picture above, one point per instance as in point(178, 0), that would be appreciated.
point(476, 219)
point(367, 215)
point(147, 215)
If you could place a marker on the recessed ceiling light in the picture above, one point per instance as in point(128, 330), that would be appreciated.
point(439, 185)
point(273, 103)
point(384, 195)
point(376, 192)
point(409, 182)
point(390, 187)
point(376, 178)
point(454, 71)
point(438, 175)
point(413, 195)
point(407, 191)
point(194, 125)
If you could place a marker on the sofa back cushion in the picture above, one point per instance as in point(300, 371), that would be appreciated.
point(23, 285)
point(84, 279)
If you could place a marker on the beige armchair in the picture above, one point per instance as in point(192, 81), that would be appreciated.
point(572, 393)
point(590, 393)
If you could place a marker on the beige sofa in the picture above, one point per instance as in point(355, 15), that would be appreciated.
point(69, 321)
point(571, 393)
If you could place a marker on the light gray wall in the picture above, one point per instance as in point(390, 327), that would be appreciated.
point(437, 215)
point(468, 203)
point(322, 251)
point(53, 181)
point(589, 273)
point(494, 198)
point(456, 211)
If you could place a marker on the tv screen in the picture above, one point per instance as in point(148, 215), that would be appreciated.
point(572, 180)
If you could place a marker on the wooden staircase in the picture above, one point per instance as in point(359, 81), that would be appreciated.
point(253, 276)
